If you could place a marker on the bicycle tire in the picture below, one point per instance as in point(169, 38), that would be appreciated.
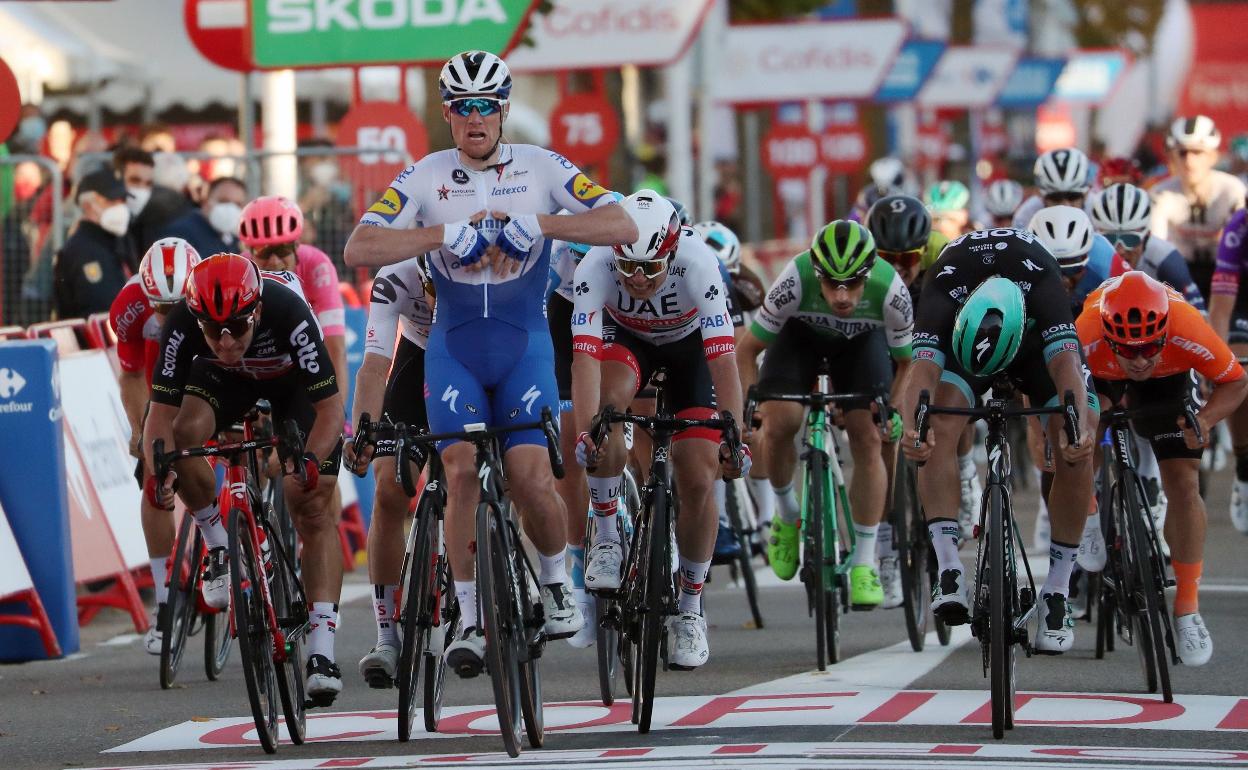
point(528, 618)
point(836, 579)
point(658, 583)
point(531, 707)
point(911, 554)
point(291, 609)
point(1000, 618)
point(218, 644)
point(255, 643)
point(607, 641)
point(414, 621)
point(812, 554)
point(944, 634)
point(178, 613)
point(1129, 597)
point(745, 559)
point(435, 662)
point(496, 614)
point(1152, 585)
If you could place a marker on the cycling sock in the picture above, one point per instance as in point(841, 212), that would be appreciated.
point(466, 595)
point(324, 617)
point(721, 502)
point(1187, 580)
point(692, 576)
point(788, 509)
point(864, 544)
point(966, 465)
point(1061, 563)
point(383, 612)
point(884, 541)
point(944, 534)
point(1241, 463)
point(553, 568)
point(1147, 465)
point(764, 499)
point(576, 559)
point(159, 575)
point(604, 501)
point(209, 523)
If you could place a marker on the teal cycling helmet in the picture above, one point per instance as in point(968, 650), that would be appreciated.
point(947, 196)
point(843, 251)
point(989, 328)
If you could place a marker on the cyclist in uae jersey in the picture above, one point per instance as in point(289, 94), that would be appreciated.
point(484, 212)
point(1029, 341)
point(835, 303)
point(386, 386)
point(658, 303)
point(1228, 314)
point(237, 338)
point(1144, 344)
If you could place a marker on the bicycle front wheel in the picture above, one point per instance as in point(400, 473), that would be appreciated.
point(1150, 573)
point(292, 613)
point(255, 642)
point(414, 621)
point(1001, 616)
point(494, 582)
point(607, 641)
point(178, 612)
point(447, 626)
point(742, 531)
point(657, 594)
point(912, 551)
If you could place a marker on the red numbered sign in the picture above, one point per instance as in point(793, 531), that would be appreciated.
point(790, 150)
point(387, 134)
point(10, 101)
point(842, 149)
point(219, 32)
point(584, 129)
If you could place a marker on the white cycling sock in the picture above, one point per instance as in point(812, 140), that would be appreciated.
point(788, 509)
point(1061, 564)
point(884, 541)
point(383, 613)
point(604, 501)
point(864, 544)
point(692, 575)
point(324, 617)
point(764, 499)
point(944, 534)
point(159, 575)
point(466, 595)
point(553, 568)
point(209, 523)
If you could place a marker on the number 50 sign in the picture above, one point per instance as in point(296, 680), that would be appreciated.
point(387, 134)
point(584, 129)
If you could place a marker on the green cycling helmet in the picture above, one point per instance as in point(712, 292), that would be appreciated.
point(944, 197)
point(843, 250)
point(989, 328)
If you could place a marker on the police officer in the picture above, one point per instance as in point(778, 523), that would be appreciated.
point(94, 263)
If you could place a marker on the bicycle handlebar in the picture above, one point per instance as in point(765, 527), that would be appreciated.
point(996, 407)
point(288, 443)
point(723, 422)
point(754, 397)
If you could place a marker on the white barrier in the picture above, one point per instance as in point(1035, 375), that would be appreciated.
point(14, 577)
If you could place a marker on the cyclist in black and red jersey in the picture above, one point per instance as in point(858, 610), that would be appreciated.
point(238, 338)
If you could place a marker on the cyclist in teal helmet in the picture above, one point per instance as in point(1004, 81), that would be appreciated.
point(988, 330)
point(948, 201)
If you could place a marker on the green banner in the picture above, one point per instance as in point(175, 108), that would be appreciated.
point(331, 33)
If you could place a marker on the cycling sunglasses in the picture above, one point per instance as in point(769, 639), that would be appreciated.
point(1063, 197)
point(1142, 350)
point(902, 259)
point(650, 268)
point(235, 327)
point(1126, 240)
point(484, 107)
point(848, 284)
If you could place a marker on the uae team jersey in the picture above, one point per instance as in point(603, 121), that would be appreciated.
point(1193, 226)
point(399, 305)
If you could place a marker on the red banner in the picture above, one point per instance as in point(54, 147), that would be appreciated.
point(1216, 85)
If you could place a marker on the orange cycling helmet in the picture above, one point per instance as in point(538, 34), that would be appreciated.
point(1134, 309)
point(223, 287)
point(270, 221)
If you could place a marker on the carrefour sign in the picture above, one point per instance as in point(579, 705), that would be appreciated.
point(328, 33)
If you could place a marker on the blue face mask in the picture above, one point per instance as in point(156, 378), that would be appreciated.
point(32, 129)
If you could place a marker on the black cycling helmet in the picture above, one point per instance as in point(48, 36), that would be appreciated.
point(682, 213)
point(899, 223)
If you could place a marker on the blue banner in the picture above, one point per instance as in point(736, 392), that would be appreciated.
point(910, 71)
point(33, 492)
point(1031, 84)
point(838, 9)
point(1090, 76)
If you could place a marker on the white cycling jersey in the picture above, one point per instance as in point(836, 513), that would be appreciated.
point(562, 266)
point(399, 305)
point(1193, 226)
point(1028, 208)
point(693, 298)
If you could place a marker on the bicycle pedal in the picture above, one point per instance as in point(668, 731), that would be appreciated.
point(319, 701)
point(378, 679)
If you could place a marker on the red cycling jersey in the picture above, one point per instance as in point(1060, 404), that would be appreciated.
point(137, 329)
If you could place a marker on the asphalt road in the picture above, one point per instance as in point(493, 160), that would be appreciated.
point(104, 707)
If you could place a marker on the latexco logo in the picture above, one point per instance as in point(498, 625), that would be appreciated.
point(299, 16)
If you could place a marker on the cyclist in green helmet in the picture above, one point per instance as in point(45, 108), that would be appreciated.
point(994, 312)
point(836, 301)
point(949, 201)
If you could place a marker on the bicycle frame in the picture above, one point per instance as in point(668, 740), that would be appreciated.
point(820, 437)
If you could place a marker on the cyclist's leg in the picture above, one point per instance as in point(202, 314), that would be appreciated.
point(159, 530)
point(572, 487)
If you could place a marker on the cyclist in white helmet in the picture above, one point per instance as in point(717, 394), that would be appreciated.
point(1063, 178)
point(1001, 200)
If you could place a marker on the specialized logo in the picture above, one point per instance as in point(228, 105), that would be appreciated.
point(981, 348)
point(449, 396)
point(1031, 266)
point(584, 189)
point(530, 398)
point(947, 270)
point(305, 348)
point(11, 383)
point(389, 204)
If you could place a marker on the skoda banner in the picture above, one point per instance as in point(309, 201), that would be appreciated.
point(331, 33)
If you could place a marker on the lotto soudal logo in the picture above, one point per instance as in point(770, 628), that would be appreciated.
point(170, 356)
point(305, 348)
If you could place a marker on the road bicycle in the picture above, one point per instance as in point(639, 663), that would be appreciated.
point(184, 613)
point(744, 525)
point(1001, 607)
point(269, 611)
point(915, 558)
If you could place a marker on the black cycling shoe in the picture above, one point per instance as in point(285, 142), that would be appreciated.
point(324, 682)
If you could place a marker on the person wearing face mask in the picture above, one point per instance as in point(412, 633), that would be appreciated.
point(325, 199)
point(213, 227)
point(151, 205)
point(94, 263)
point(31, 129)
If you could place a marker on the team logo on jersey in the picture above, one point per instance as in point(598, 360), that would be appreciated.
point(389, 204)
point(585, 189)
point(443, 192)
point(459, 176)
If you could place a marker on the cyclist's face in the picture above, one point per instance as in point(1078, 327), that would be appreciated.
point(475, 136)
point(951, 224)
point(843, 298)
point(1138, 369)
point(640, 287)
point(1192, 166)
point(275, 258)
point(1132, 256)
point(230, 349)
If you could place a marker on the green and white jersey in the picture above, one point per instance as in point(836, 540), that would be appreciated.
point(795, 294)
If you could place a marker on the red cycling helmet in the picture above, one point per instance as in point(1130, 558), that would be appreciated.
point(1134, 309)
point(1119, 169)
point(270, 221)
point(223, 287)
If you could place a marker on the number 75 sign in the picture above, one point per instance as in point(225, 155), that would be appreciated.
point(584, 128)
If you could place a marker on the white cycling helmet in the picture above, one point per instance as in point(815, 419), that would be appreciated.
point(1122, 208)
point(164, 269)
point(888, 174)
point(474, 73)
point(723, 241)
point(1066, 232)
point(1196, 133)
point(1003, 197)
point(658, 227)
point(1064, 170)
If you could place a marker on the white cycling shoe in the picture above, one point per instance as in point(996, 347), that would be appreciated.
point(686, 641)
point(1239, 506)
point(951, 598)
point(1194, 642)
point(1056, 633)
point(890, 581)
point(324, 682)
point(603, 565)
point(379, 665)
point(588, 634)
point(153, 639)
point(1092, 547)
point(217, 580)
point(466, 655)
point(563, 616)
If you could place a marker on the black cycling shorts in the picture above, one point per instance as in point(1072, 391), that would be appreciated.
point(1161, 430)
point(404, 402)
point(858, 364)
point(688, 378)
point(559, 316)
point(231, 396)
point(1028, 373)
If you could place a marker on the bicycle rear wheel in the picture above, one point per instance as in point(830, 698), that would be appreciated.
point(1149, 569)
point(1001, 616)
point(494, 582)
point(255, 642)
point(529, 643)
point(218, 642)
point(178, 613)
point(912, 551)
point(656, 596)
point(745, 560)
point(291, 609)
point(607, 641)
point(447, 628)
point(416, 617)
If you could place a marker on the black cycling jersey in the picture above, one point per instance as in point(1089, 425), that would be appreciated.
point(287, 342)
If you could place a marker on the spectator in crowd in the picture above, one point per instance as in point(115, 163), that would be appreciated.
point(213, 227)
point(156, 137)
point(93, 265)
point(31, 129)
point(326, 204)
point(151, 206)
point(22, 240)
point(171, 171)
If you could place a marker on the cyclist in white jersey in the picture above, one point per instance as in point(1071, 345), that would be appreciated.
point(638, 308)
point(1191, 207)
point(485, 213)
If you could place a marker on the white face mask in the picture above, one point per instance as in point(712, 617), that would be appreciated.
point(139, 196)
point(115, 219)
point(323, 174)
point(225, 217)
